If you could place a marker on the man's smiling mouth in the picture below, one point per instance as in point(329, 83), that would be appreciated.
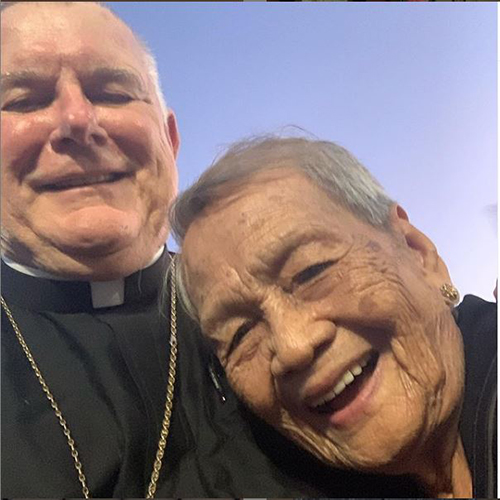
point(349, 386)
point(89, 180)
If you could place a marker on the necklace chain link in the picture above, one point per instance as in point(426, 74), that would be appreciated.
point(168, 403)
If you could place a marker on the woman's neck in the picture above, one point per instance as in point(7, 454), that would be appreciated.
point(446, 475)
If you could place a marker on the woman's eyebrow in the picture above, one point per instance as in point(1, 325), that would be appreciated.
point(273, 258)
point(221, 310)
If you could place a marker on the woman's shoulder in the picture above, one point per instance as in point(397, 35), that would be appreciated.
point(477, 319)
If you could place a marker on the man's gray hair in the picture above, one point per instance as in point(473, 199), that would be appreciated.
point(154, 76)
point(150, 59)
point(331, 167)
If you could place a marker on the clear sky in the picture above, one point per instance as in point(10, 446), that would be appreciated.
point(409, 88)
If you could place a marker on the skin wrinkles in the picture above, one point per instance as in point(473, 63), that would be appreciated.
point(267, 267)
point(381, 294)
point(39, 84)
point(76, 106)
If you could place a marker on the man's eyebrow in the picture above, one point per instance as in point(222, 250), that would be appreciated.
point(30, 78)
point(116, 75)
point(23, 78)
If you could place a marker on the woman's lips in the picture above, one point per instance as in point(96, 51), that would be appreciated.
point(344, 404)
point(350, 375)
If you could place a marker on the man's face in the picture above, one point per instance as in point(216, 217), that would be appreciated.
point(327, 327)
point(88, 159)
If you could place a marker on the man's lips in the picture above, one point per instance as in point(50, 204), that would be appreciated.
point(79, 180)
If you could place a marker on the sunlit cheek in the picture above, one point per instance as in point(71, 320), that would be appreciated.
point(22, 143)
point(155, 196)
point(135, 135)
point(163, 180)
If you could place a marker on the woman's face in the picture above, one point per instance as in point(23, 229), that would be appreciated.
point(329, 329)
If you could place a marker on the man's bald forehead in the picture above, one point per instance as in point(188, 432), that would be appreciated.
point(99, 5)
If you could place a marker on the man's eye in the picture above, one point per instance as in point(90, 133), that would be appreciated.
point(240, 333)
point(27, 104)
point(110, 98)
point(310, 272)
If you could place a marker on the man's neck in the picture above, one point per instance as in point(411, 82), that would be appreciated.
point(103, 293)
point(40, 273)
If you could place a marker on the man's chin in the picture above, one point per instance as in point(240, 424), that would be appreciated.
point(97, 243)
point(94, 231)
point(105, 262)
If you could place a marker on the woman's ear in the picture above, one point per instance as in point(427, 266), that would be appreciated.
point(421, 246)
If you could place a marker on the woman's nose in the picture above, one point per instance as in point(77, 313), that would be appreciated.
point(296, 341)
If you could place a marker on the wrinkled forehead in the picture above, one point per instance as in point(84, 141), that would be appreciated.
point(255, 225)
point(52, 34)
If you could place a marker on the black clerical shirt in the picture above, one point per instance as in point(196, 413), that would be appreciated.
point(108, 370)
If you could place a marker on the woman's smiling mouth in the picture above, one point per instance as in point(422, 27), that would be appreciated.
point(347, 397)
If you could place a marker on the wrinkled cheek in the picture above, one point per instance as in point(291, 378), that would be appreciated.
point(379, 302)
point(418, 356)
point(17, 205)
point(257, 391)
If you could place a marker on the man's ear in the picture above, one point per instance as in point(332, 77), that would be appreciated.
point(422, 247)
point(172, 132)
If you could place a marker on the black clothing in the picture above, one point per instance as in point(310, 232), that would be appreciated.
point(108, 369)
point(477, 320)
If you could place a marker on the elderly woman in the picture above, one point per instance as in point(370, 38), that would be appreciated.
point(333, 318)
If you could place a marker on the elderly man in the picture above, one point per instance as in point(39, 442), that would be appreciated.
point(97, 384)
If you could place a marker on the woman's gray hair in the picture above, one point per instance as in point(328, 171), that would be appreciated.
point(331, 167)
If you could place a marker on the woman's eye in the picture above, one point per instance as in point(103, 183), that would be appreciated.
point(311, 272)
point(240, 333)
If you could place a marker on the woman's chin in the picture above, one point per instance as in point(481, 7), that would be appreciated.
point(380, 444)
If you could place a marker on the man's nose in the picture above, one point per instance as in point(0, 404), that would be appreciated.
point(297, 339)
point(77, 122)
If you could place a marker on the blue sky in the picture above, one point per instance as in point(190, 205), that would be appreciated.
point(409, 88)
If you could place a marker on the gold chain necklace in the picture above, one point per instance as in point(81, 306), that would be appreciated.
point(168, 404)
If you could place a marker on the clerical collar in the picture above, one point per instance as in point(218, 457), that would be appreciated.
point(102, 293)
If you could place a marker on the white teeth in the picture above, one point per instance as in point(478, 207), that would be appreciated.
point(346, 379)
point(356, 370)
point(339, 387)
point(327, 397)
